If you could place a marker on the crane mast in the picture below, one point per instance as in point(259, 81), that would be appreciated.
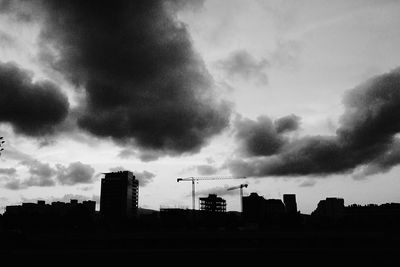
point(241, 193)
point(194, 179)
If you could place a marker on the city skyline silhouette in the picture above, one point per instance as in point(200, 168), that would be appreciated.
point(264, 227)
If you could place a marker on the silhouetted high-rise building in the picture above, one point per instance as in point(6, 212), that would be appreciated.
point(119, 195)
point(274, 206)
point(261, 210)
point(213, 203)
point(253, 207)
point(274, 210)
point(90, 205)
point(331, 207)
point(290, 203)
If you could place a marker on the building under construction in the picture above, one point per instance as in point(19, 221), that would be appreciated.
point(213, 203)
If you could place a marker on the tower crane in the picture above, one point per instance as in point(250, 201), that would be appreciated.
point(196, 179)
point(241, 193)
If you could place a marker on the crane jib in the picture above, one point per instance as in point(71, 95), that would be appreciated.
point(194, 178)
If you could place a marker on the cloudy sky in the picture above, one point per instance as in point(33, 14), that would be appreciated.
point(302, 97)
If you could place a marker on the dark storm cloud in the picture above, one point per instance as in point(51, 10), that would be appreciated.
point(145, 85)
point(75, 173)
point(16, 10)
point(32, 108)
point(241, 64)
point(41, 174)
point(178, 5)
point(287, 123)
point(260, 137)
point(366, 138)
point(13, 184)
point(44, 175)
point(384, 163)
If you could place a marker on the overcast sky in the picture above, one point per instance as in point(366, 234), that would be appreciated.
point(302, 97)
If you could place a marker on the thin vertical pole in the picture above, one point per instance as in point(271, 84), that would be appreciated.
point(193, 203)
point(193, 195)
point(241, 199)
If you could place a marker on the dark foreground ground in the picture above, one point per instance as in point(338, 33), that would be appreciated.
point(365, 248)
